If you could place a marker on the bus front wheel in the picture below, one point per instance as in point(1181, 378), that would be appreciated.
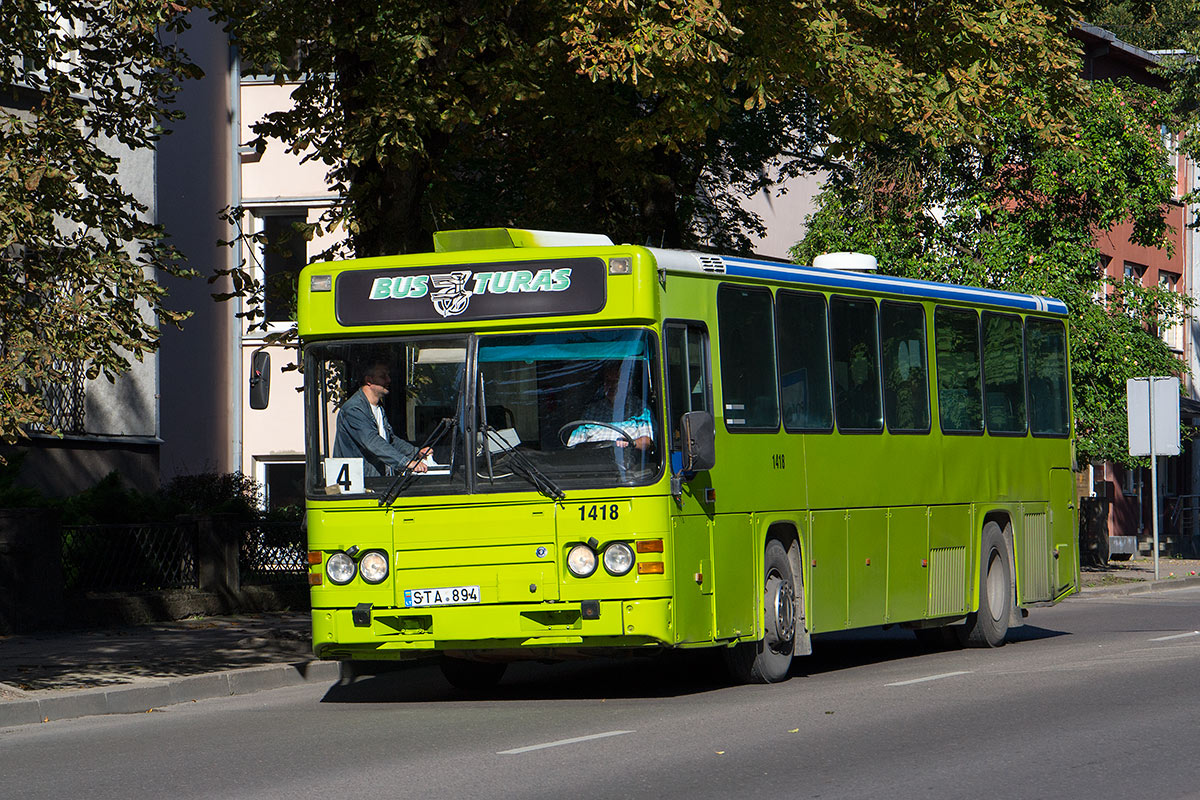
point(989, 626)
point(770, 659)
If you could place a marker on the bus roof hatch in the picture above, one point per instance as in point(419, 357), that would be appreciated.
point(500, 238)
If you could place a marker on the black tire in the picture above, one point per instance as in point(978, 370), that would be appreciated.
point(769, 660)
point(989, 626)
point(473, 676)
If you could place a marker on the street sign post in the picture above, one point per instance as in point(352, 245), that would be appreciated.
point(1153, 407)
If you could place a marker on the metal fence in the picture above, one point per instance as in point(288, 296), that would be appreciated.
point(112, 558)
point(150, 557)
point(273, 553)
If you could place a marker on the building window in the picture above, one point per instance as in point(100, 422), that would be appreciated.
point(283, 484)
point(1172, 334)
point(1135, 272)
point(282, 253)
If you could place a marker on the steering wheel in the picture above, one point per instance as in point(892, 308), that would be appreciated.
point(575, 423)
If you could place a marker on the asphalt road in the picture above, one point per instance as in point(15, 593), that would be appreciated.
point(1097, 697)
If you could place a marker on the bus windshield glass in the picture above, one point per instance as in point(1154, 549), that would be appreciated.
point(581, 406)
point(374, 407)
point(547, 412)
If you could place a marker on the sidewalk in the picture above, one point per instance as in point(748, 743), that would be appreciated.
point(66, 674)
point(1137, 575)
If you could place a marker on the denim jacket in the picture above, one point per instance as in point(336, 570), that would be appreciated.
point(358, 437)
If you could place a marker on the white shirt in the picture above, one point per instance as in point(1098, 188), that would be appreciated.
point(378, 412)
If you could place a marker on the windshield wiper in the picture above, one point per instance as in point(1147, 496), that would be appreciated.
point(403, 480)
point(520, 464)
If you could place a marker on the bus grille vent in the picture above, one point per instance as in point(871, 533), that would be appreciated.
point(1035, 559)
point(713, 264)
point(947, 581)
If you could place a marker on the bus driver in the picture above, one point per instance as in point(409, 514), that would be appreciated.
point(364, 431)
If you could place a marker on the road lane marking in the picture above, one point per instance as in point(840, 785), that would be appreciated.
point(930, 678)
point(1176, 636)
point(560, 743)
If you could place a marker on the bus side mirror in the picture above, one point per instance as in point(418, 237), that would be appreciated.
point(260, 379)
point(699, 441)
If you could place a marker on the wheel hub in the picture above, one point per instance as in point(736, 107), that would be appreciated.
point(781, 608)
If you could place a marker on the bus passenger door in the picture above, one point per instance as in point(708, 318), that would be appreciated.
point(689, 388)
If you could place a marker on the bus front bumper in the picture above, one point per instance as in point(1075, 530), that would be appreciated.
point(400, 633)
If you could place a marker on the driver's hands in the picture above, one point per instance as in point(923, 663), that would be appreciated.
point(641, 442)
point(418, 466)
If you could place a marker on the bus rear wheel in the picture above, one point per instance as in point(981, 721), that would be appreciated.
point(770, 659)
point(473, 676)
point(989, 626)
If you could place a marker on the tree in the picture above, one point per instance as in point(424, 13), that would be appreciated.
point(619, 115)
point(1009, 214)
point(80, 84)
point(1149, 24)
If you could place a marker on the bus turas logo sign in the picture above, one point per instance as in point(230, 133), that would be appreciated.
point(489, 291)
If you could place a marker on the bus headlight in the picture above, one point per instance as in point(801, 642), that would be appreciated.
point(618, 559)
point(374, 566)
point(581, 561)
point(340, 569)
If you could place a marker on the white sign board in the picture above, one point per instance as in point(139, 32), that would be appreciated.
point(344, 476)
point(1153, 416)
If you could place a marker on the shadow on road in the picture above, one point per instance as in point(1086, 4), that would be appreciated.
point(669, 674)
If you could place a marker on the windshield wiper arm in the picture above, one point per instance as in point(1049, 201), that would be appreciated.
point(521, 465)
point(405, 477)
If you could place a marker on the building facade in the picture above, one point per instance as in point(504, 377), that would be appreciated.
point(1120, 502)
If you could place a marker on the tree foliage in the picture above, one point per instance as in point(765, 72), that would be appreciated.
point(623, 116)
point(1149, 24)
point(1007, 213)
point(80, 84)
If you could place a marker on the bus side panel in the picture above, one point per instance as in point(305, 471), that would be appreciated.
point(952, 560)
point(826, 587)
point(735, 564)
point(1065, 526)
point(692, 563)
point(867, 566)
point(908, 564)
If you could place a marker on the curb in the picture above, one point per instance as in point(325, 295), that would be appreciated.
point(1142, 587)
point(156, 693)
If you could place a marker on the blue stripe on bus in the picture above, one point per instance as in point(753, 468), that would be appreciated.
point(746, 268)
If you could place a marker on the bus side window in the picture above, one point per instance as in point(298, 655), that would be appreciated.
point(905, 373)
point(687, 373)
point(1046, 363)
point(802, 339)
point(1003, 373)
point(855, 333)
point(956, 338)
point(747, 347)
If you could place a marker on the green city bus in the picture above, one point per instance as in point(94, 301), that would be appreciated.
point(635, 449)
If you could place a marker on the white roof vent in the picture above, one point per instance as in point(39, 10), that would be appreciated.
point(850, 262)
point(688, 261)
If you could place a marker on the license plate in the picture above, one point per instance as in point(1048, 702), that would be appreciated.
point(447, 596)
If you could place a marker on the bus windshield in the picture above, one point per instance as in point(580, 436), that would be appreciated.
point(546, 411)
